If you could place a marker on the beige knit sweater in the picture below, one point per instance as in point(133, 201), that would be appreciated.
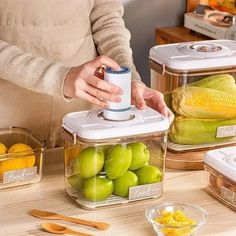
point(39, 42)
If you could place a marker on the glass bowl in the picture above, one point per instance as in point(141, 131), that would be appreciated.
point(176, 219)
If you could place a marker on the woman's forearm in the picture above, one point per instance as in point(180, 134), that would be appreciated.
point(110, 34)
point(34, 73)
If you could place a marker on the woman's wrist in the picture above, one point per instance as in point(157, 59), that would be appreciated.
point(137, 81)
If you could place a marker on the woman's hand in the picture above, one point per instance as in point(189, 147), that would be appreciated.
point(83, 82)
point(143, 96)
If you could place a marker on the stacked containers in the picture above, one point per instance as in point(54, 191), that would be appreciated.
point(198, 82)
point(113, 162)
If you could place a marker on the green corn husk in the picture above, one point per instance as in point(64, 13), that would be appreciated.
point(197, 131)
point(221, 82)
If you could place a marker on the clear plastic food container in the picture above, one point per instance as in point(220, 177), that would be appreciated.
point(21, 157)
point(114, 162)
point(220, 174)
point(198, 82)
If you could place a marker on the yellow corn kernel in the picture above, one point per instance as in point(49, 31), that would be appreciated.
point(198, 102)
point(175, 219)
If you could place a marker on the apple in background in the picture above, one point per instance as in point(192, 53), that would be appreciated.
point(122, 184)
point(118, 160)
point(89, 162)
point(97, 188)
point(140, 155)
point(148, 174)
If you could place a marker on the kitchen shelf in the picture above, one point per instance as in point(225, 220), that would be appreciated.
point(176, 35)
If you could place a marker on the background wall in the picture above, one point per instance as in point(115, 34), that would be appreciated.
point(142, 17)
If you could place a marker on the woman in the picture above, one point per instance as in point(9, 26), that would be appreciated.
point(49, 53)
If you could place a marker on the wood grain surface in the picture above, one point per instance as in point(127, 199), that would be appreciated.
point(185, 160)
point(125, 220)
point(177, 34)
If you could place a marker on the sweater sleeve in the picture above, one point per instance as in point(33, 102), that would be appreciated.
point(34, 73)
point(110, 34)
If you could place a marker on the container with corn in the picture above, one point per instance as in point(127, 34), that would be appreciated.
point(198, 82)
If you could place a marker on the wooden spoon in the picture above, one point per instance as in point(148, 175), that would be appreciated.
point(55, 216)
point(60, 229)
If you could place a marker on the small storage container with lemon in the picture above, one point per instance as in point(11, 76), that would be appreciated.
point(21, 154)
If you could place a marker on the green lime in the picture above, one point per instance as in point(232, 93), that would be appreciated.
point(140, 155)
point(89, 162)
point(118, 160)
point(148, 174)
point(97, 188)
point(122, 184)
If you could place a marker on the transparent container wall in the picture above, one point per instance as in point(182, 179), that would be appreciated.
point(21, 157)
point(117, 171)
point(220, 187)
point(204, 107)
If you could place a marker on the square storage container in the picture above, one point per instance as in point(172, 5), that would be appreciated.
point(114, 162)
point(220, 174)
point(198, 82)
point(21, 157)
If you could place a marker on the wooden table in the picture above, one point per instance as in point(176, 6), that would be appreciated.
point(126, 220)
point(177, 34)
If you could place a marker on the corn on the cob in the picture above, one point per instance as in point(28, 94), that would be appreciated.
point(198, 102)
point(197, 131)
point(222, 82)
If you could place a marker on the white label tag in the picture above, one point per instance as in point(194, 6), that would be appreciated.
point(145, 191)
point(228, 195)
point(19, 175)
point(226, 131)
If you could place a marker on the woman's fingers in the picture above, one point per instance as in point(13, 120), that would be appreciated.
point(139, 101)
point(104, 85)
point(104, 61)
point(92, 99)
point(101, 94)
point(142, 96)
point(138, 95)
point(81, 82)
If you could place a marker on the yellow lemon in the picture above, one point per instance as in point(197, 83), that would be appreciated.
point(24, 159)
point(26, 151)
point(3, 149)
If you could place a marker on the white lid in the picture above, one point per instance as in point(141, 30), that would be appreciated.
point(92, 125)
point(223, 160)
point(195, 55)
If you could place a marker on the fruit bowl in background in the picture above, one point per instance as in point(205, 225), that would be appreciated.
point(176, 219)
